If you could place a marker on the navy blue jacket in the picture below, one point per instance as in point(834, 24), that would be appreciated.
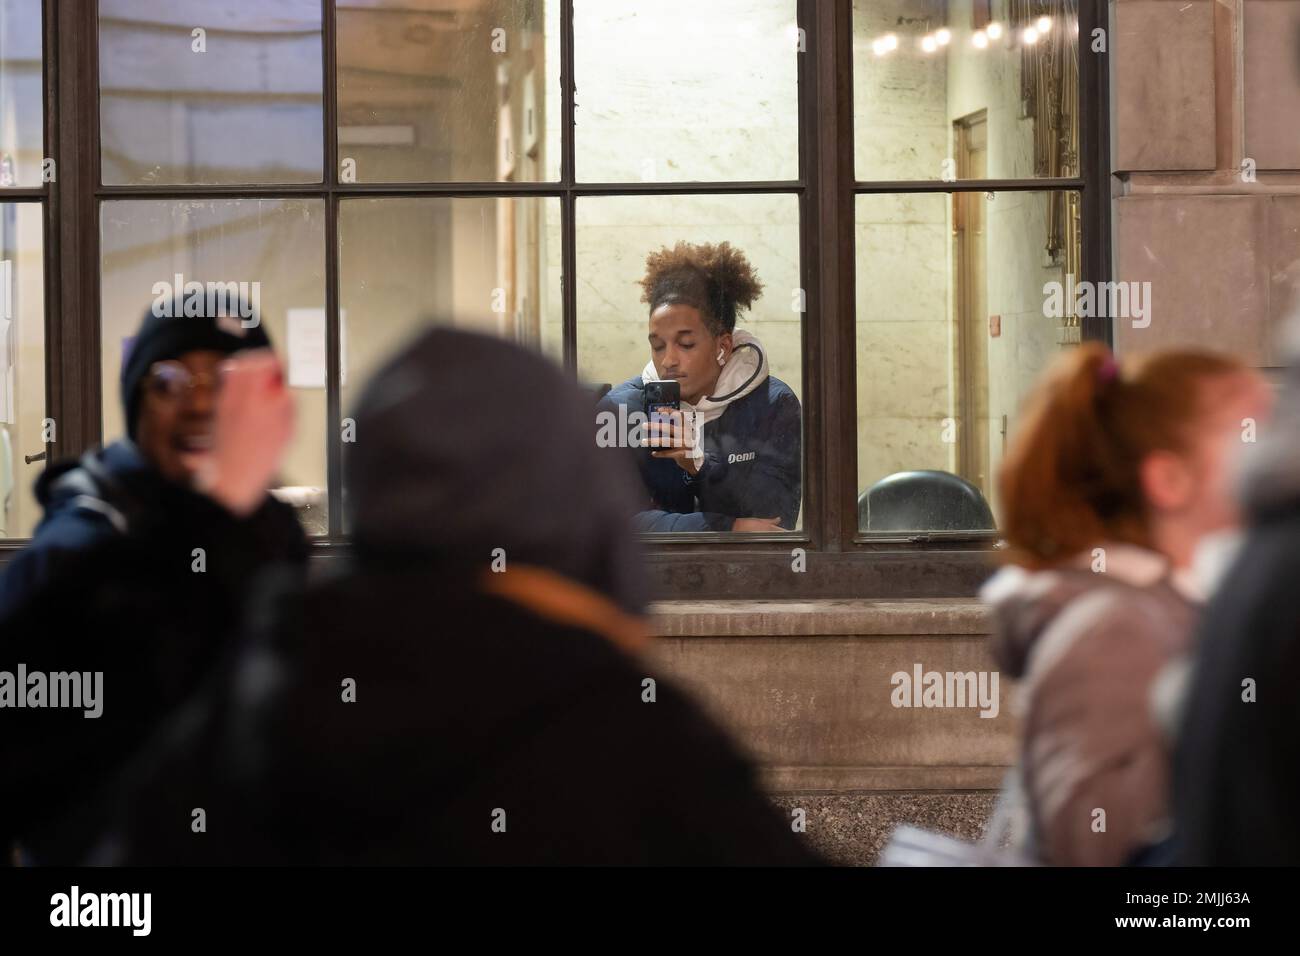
point(109, 584)
point(751, 467)
point(86, 513)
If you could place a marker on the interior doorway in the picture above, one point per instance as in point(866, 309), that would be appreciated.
point(970, 304)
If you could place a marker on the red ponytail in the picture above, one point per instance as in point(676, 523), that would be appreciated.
point(1072, 475)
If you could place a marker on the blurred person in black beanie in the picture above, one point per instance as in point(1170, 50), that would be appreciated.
point(469, 687)
point(140, 567)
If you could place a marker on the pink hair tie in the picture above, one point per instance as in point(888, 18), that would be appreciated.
point(1108, 371)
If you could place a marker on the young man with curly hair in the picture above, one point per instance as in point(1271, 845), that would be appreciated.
point(732, 461)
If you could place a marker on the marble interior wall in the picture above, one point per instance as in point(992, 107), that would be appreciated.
point(904, 245)
point(906, 103)
point(678, 91)
point(1016, 241)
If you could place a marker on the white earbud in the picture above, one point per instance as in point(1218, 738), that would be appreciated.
point(721, 360)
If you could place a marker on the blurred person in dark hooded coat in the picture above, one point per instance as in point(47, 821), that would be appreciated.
point(140, 567)
point(467, 687)
point(1237, 768)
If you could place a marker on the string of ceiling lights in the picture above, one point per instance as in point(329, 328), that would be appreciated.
point(1029, 35)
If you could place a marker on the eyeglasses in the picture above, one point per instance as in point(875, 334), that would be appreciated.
point(172, 380)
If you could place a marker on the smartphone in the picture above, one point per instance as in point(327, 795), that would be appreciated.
point(660, 396)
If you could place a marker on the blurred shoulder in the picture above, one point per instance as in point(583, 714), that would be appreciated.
point(630, 394)
point(1110, 629)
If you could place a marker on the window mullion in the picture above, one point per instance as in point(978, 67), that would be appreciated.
point(72, 280)
point(1094, 95)
point(826, 157)
point(333, 331)
point(568, 201)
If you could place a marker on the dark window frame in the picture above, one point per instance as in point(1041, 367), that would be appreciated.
point(840, 561)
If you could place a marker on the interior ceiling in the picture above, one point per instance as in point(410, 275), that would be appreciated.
point(414, 6)
point(393, 55)
point(407, 54)
point(272, 16)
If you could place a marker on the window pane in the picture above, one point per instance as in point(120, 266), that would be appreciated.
point(276, 249)
point(448, 92)
point(210, 91)
point(21, 93)
point(953, 326)
point(682, 90)
point(967, 89)
point(22, 366)
point(490, 265)
point(757, 441)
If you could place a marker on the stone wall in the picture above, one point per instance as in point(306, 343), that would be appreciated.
point(808, 689)
point(1206, 95)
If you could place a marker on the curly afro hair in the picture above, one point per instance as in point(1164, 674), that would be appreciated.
point(716, 279)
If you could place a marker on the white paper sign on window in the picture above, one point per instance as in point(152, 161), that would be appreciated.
point(306, 348)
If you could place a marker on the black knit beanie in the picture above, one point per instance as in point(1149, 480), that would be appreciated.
point(166, 337)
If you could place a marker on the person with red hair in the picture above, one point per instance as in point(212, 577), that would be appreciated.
point(1118, 471)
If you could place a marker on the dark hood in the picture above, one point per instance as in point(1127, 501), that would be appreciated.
point(466, 444)
point(121, 462)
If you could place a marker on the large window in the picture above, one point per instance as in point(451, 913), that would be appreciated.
point(903, 177)
point(953, 323)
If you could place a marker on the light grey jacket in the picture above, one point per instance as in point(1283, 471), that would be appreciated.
point(1088, 648)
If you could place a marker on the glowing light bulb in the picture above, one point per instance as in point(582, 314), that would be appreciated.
point(929, 44)
point(1044, 24)
point(980, 39)
point(942, 36)
point(882, 45)
point(1030, 35)
point(994, 30)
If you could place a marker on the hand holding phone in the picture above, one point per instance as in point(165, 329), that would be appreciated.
point(663, 402)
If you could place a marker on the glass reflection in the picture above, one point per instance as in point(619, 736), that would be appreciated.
point(210, 92)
